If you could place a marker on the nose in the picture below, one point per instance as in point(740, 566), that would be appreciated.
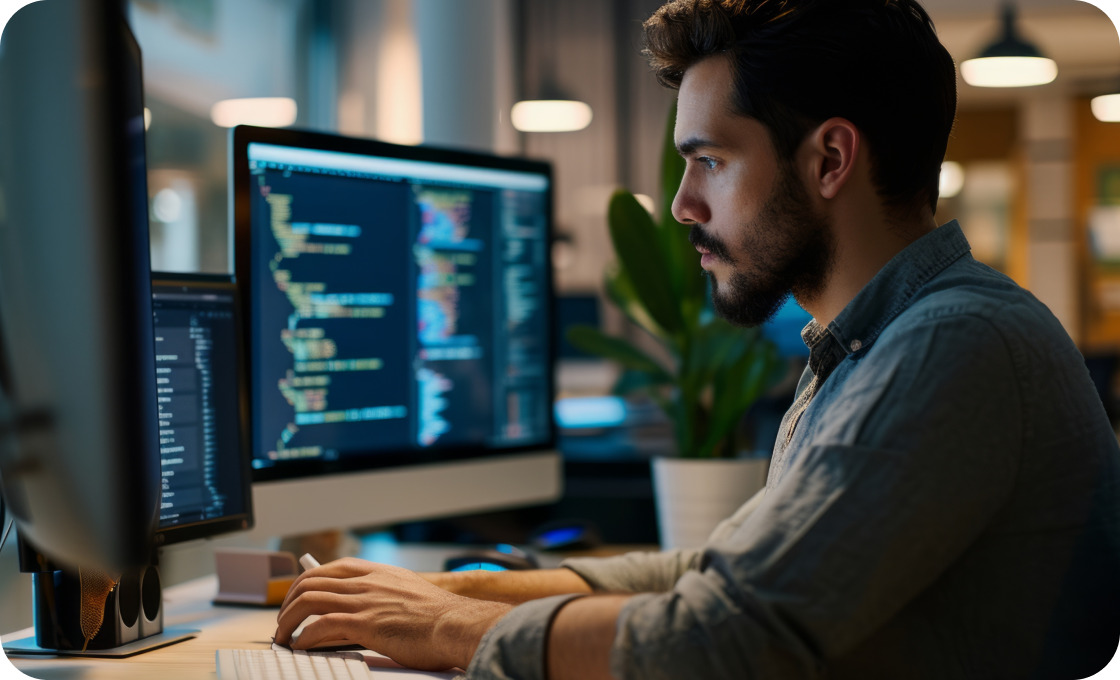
point(689, 206)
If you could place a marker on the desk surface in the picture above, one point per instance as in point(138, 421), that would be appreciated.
point(186, 605)
point(189, 605)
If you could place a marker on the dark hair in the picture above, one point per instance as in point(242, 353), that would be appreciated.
point(797, 63)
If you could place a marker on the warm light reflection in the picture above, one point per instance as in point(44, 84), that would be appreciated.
point(1106, 108)
point(1009, 71)
point(147, 118)
point(952, 179)
point(550, 115)
point(646, 202)
point(259, 111)
point(400, 96)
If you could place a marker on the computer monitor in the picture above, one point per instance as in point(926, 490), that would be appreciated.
point(200, 390)
point(79, 460)
point(399, 332)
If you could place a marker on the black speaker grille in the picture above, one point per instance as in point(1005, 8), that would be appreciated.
point(151, 593)
point(128, 598)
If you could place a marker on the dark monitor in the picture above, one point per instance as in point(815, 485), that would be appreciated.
point(78, 445)
point(204, 462)
point(400, 302)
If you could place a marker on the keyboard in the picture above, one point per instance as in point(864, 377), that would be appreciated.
point(281, 664)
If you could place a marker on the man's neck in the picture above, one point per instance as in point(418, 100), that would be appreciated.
point(862, 249)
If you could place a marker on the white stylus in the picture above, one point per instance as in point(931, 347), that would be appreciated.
point(308, 562)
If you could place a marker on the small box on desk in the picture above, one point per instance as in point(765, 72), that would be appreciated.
point(254, 577)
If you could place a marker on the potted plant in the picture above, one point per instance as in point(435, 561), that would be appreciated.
point(716, 370)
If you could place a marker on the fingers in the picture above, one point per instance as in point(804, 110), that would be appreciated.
point(348, 567)
point(329, 627)
point(315, 602)
point(341, 586)
point(344, 568)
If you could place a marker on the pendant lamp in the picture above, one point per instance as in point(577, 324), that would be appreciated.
point(553, 110)
point(1010, 61)
point(1106, 108)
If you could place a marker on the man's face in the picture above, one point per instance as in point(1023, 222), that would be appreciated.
point(753, 219)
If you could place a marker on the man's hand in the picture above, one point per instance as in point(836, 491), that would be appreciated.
point(389, 610)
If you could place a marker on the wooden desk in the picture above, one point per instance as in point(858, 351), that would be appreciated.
point(186, 605)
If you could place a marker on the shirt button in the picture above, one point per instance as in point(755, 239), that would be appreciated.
point(856, 344)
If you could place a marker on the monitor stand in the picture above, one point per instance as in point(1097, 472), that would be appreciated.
point(169, 636)
point(132, 621)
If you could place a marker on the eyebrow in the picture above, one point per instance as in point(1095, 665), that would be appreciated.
point(691, 144)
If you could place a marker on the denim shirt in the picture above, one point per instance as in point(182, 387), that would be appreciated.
point(943, 502)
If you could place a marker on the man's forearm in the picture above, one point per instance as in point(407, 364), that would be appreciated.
point(510, 587)
point(581, 637)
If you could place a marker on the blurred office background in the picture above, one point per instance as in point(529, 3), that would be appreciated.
point(1032, 174)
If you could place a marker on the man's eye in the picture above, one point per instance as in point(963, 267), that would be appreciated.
point(709, 163)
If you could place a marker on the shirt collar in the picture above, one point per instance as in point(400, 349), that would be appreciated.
point(891, 290)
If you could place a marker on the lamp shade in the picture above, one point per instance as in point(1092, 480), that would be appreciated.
point(260, 111)
point(550, 115)
point(1106, 108)
point(1010, 61)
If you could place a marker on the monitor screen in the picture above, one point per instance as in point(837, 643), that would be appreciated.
point(202, 462)
point(399, 302)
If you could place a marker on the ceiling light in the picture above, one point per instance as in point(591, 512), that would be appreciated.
point(1010, 61)
point(1009, 71)
point(1106, 108)
point(259, 111)
point(551, 108)
point(951, 181)
point(550, 115)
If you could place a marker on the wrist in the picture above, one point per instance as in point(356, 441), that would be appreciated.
point(462, 627)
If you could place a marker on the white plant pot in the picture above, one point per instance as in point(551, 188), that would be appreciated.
point(694, 495)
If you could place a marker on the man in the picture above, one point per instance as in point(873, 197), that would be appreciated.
point(943, 500)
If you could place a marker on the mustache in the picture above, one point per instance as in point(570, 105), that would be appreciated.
point(702, 239)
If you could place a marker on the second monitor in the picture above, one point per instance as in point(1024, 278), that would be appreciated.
point(399, 303)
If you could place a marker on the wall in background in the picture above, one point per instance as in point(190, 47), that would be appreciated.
point(196, 54)
point(1096, 154)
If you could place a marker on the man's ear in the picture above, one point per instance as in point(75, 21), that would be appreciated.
point(834, 145)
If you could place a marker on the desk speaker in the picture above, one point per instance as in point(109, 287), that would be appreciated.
point(86, 610)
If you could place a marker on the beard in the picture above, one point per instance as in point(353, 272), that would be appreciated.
point(790, 248)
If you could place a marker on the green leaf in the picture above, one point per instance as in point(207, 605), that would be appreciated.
point(635, 241)
point(594, 341)
point(715, 347)
point(735, 390)
point(621, 292)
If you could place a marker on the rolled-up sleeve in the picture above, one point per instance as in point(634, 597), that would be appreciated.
point(853, 531)
point(514, 649)
point(653, 572)
point(635, 572)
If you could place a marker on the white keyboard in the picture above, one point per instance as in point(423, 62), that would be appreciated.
point(279, 664)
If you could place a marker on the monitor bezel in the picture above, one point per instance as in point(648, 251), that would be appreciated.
point(240, 521)
point(240, 138)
